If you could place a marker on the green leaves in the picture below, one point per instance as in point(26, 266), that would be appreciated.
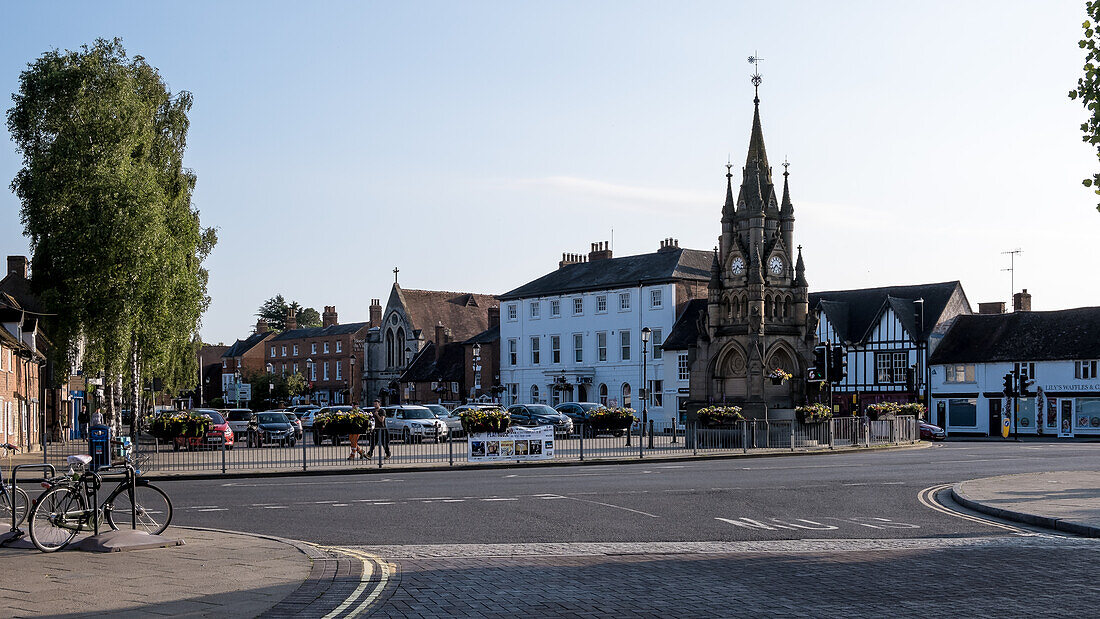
point(106, 202)
point(1088, 86)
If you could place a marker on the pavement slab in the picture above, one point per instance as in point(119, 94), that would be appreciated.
point(1065, 500)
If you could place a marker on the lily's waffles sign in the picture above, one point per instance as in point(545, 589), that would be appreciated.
point(515, 445)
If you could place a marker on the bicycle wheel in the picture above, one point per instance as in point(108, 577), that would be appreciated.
point(19, 502)
point(56, 518)
point(153, 508)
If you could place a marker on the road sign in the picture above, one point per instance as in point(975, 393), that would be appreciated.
point(244, 392)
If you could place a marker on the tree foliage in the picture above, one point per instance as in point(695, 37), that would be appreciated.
point(274, 311)
point(106, 202)
point(1088, 86)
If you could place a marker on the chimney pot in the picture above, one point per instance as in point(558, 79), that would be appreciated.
point(992, 307)
point(1021, 301)
point(17, 265)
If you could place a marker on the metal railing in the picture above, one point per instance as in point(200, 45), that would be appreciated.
point(659, 439)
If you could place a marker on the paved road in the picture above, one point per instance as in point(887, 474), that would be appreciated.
point(850, 535)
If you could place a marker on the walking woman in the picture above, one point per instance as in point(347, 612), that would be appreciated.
point(353, 438)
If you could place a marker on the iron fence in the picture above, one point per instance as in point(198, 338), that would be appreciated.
point(657, 439)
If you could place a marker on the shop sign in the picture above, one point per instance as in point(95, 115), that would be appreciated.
point(515, 445)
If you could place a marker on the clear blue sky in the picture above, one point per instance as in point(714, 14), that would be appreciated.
point(470, 144)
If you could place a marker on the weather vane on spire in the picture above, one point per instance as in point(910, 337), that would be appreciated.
point(786, 164)
point(755, 60)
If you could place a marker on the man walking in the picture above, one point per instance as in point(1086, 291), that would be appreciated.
point(381, 434)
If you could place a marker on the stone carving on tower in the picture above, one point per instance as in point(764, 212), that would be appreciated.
point(758, 301)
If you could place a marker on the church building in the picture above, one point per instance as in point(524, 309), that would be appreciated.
point(756, 317)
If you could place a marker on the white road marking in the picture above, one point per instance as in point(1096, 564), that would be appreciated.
point(207, 509)
point(383, 503)
point(339, 504)
point(275, 507)
point(927, 497)
point(499, 499)
point(311, 483)
point(452, 500)
point(626, 509)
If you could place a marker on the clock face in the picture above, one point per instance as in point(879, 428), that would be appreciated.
point(738, 265)
point(775, 265)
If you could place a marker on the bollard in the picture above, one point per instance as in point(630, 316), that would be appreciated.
point(831, 422)
point(651, 434)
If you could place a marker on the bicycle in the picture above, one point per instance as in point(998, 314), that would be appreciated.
point(62, 511)
point(16, 500)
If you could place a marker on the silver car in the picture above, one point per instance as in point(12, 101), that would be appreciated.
point(414, 423)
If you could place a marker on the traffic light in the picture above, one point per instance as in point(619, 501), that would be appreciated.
point(838, 369)
point(821, 363)
point(1009, 390)
point(1025, 386)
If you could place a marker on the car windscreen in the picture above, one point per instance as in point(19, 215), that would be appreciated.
point(271, 418)
point(239, 415)
point(542, 410)
point(214, 415)
point(418, 413)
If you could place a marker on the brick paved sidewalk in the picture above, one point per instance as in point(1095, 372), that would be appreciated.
point(213, 574)
point(1067, 501)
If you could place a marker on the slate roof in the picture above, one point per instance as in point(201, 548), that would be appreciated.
point(307, 332)
point(488, 336)
point(465, 313)
point(654, 268)
point(854, 313)
point(448, 367)
point(1071, 334)
point(685, 331)
point(240, 347)
point(20, 289)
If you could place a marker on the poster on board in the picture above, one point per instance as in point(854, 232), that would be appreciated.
point(515, 445)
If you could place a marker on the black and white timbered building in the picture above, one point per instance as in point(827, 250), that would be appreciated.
point(888, 334)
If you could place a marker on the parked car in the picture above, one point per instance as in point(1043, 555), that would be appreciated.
point(294, 421)
point(319, 438)
point(454, 418)
point(274, 427)
point(929, 432)
point(217, 435)
point(438, 410)
point(530, 415)
point(238, 420)
point(305, 413)
point(414, 423)
point(577, 412)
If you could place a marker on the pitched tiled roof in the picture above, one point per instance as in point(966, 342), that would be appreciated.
point(240, 347)
point(448, 367)
point(488, 336)
point(307, 332)
point(685, 331)
point(465, 314)
point(853, 313)
point(19, 288)
point(1022, 336)
point(657, 267)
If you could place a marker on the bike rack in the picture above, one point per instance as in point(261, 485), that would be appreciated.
point(15, 530)
point(131, 476)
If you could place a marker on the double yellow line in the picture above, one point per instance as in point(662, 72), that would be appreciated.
point(346, 608)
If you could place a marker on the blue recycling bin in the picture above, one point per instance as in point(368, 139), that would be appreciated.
point(99, 446)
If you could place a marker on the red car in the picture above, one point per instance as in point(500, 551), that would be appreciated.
point(218, 434)
point(929, 432)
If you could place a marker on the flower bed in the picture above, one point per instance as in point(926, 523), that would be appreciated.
point(168, 426)
point(610, 419)
point(487, 420)
point(813, 413)
point(717, 416)
point(354, 421)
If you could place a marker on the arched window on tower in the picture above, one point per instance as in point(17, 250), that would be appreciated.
point(603, 394)
point(399, 347)
point(534, 394)
point(389, 349)
point(626, 395)
point(768, 306)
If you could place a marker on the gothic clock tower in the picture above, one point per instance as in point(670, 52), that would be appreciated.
point(757, 305)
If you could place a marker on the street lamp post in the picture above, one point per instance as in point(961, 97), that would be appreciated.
point(477, 371)
point(645, 385)
point(309, 381)
point(351, 378)
point(237, 386)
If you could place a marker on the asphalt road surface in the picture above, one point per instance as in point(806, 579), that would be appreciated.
point(856, 534)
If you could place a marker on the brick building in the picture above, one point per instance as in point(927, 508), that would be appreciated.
point(330, 357)
point(22, 361)
point(245, 357)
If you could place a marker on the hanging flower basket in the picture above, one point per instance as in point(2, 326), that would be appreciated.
point(354, 421)
point(605, 419)
point(719, 416)
point(814, 413)
point(185, 424)
point(487, 420)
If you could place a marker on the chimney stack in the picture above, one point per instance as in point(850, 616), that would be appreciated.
point(291, 319)
point(262, 326)
point(442, 335)
point(328, 317)
point(568, 259)
point(600, 251)
point(375, 313)
point(992, 307)
point(17, 265)
point(669, 245)
point(494, 316)
point(1021, 301)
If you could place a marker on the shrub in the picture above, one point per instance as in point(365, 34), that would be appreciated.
point(720, 415)
point(814, 413)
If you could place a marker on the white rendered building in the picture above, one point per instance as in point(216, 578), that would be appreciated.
point(576, 334)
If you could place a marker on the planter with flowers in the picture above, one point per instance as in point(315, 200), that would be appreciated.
point(813, 413)
point(614, 420)
point(883, 410)
point(779, 376)
point(338, 423)
point(485, 420)
point(186, 424)
point(720, 416)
